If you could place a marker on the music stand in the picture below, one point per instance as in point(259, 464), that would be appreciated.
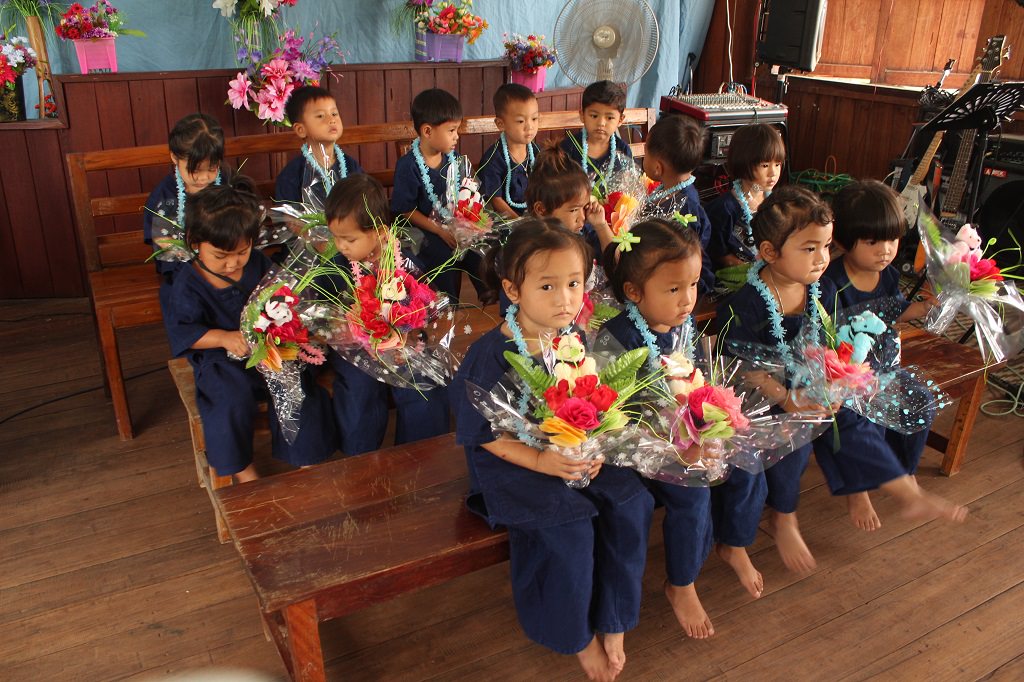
point(983, 107)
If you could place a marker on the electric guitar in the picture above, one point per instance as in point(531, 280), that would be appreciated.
point(915, 192)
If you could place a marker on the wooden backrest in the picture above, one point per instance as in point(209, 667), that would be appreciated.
point(127, 248)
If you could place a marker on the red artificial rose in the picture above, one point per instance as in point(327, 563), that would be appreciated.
point(584, 386)
point(557, 395)
point(377, 328)
point(697, 398)
point(609, 206)
point(845, 351)
point(983, 268)
point(579, 413)
point(603, 397)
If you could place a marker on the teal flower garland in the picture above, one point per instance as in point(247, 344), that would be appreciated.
point(443, 210)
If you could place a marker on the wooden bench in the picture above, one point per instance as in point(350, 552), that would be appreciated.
point(124, 288)
point(323, 542)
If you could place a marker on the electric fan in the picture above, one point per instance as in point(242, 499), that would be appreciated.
point(613, 40)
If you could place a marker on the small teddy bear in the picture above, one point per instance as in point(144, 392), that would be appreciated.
point(860, 333)
point(277, 312)
point(966, 243)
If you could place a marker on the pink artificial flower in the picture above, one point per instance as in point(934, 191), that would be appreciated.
point(983, 268)
point(271, 102)
point(855, 376)
point(239, 90)
point(579, 413)
point(276, 68)
point(730, 403)
point(303, 71)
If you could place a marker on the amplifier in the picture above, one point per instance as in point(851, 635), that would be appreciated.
point(718, 108)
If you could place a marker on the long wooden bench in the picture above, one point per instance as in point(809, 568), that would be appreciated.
point(124, 288)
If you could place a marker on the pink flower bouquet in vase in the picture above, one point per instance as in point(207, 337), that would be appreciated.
point(528, 59)
point(93, 32)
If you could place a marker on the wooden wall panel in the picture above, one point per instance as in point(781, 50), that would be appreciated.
point(1005, 17)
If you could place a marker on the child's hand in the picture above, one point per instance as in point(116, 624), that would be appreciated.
point(797, 402)
point(234, 343)
point(594, 213)
point(553, 463)
point(445, 234)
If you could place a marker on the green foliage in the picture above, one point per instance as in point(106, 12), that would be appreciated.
point(828, 325)
point(535, 377)
point(621, 373)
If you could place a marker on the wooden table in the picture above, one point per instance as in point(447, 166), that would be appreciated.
point(322, 542)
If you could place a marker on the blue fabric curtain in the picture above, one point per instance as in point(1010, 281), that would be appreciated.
point(191, 35)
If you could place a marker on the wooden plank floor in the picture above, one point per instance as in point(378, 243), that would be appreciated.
point(111, 568)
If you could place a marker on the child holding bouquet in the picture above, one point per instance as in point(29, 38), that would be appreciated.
point(355, 211)
point(657, 281)
point(504, 167)
point(577, 554)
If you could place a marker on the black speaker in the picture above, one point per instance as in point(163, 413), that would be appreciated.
point(1001, 208)
point(790, 33)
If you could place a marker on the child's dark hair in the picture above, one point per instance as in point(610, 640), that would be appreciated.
point(434, 107)
point(295, 107)
point(197, 138)
point(870, 210)
point(361, 195)
point(751, 146)
point(604, 92)
point(661, 241)
point(224, 215)
point(529, 236)
point(508, 93)
point(788, 209)
point(555, 180)
point(678, 141)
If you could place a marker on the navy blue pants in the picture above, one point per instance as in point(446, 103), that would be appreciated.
point(226, 395)
point(736, 507)
point(572, 580)
point(361, 410)
point(686, 530)
point(858, 458)
point(434, 252)
point(908, 448)
point(783, 480)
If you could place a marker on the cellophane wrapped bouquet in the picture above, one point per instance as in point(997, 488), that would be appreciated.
point(968, 280)
point(467, 217)
point(573, 402)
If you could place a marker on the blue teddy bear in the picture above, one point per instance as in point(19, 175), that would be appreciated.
point(860, 332)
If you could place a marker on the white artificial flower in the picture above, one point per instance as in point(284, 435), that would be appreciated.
point(268, 6)
point(393, 290)
point(226, 7)
point(14, 57)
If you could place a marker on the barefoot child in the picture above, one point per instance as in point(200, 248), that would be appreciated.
point(869, 223)
point(221, 225)
point(577, 555)
point(504, 167)
point(657, 281)
point(315, 119)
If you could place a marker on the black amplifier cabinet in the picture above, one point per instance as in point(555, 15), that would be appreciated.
point(1001, 199)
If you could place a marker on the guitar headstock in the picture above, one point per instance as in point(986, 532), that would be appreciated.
point(996, 52)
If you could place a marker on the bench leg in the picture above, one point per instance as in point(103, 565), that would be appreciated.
point(304, 642)
point(114, 376)
point(963, 424)
point(216, 483)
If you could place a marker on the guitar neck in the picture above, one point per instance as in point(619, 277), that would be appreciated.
point(958, 179)
point(926, 159)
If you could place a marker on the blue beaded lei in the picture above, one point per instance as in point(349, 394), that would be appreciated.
point(612, 146)
point(748, 214)
point(508, 172)
point(653, 350)
point(428, 185)
point(180, 182)
point(661, 193)
point(326, 174)
point(778, 332)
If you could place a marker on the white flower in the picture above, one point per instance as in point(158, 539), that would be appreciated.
point(268, 6)
point(14, 57)
point(226, 7)
point(393, 290)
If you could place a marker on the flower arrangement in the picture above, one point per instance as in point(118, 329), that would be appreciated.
point(48, 108)
point(527, 54)
point(16, 57)
point(264, 87)
point(47, 11)
point(470, 222)
point(449, 18)
point(276, 332)
point(251, 8)
point(410, 11)
point(254, 25)
point(101, 20)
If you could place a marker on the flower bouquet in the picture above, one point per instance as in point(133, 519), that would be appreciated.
point(567, 404)
point(254, 24)
point(16, 57)
point(281, 322)
point(968, 280)
point(527, 54)
point(471, 224)
point(410, 11)
point(449, 18)
point(264, 87)
point(102, 20)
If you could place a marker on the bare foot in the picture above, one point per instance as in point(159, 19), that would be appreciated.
point(791, 544)
point(925, 507)
point(689, 611)
point(247, 474)
point(614, 648)
point(594, 662)
point(862, 513)
point(738, 558)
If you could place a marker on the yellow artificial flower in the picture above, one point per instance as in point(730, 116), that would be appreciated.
point(563, 433)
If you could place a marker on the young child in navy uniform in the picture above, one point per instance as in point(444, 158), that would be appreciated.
point(315, 119)
point(360, 401)
point(657, 280)
point(504, 167)
point(197, 149)
point(421, 184)
point(869, 224)
point(675, 147)
point(602, 111)
point(577, 555)
point(221, 225)
point(755, 159)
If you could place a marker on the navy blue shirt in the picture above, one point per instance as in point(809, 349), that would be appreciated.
point(197, 307)
point(744, 317)
point(573, 146)
point(622, 329)
point(298, 175)
point(163, 201)
point(888, 287)
point(492, 172)
point(728, 230)
point(410, 193)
